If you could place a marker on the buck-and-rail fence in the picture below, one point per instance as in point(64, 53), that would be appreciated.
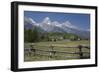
point(32, 51)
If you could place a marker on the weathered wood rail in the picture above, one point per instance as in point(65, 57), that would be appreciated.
point(52, 52)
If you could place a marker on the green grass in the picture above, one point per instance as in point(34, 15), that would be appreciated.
point(60, 46)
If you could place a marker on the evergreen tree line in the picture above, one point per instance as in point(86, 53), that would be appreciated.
point(33, 35)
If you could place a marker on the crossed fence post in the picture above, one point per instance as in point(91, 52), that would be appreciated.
point(80, 51)
point(52, 52)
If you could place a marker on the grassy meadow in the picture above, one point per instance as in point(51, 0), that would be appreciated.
point(58, 46)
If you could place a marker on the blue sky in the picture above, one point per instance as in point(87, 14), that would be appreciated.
point(76, 19)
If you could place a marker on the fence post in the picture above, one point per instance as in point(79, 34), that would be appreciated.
point(80, 51)
point(33, 49)
point(51, 53)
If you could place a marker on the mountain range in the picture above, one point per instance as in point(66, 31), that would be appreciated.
point(54, 26)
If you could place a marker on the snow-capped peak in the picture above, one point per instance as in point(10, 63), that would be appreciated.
point(29, 20)
point(69, 25)
point(54, 26)
point(46, 20)
point(55, 23)
point(32, 21)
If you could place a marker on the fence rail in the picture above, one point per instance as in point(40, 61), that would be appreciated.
point(52, 52)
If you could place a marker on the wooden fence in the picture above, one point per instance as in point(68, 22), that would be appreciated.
point(51, 52)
